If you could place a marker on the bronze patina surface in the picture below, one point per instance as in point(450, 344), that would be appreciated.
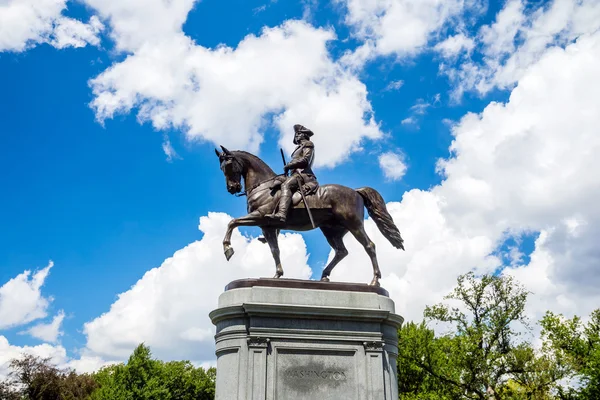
point(295, 201)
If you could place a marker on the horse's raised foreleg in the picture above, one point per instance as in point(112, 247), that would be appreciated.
point(335, 238)
point(271, 238)
point(359, 233)
point(251, 219)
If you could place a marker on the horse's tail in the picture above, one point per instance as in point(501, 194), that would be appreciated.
point(378, 211)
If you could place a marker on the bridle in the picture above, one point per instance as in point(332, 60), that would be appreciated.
point(239, 168)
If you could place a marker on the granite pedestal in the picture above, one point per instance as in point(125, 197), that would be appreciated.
point(285, 339)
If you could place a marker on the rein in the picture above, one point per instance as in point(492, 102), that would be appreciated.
point(256, 186)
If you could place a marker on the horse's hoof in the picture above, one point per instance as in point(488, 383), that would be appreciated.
point(375, 282)
point(278, 274)
point(324, 279)
point(229, 253)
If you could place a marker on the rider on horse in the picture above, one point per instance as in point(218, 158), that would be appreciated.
point(302, 177)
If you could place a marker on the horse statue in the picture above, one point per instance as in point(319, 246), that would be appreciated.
point(336, 210)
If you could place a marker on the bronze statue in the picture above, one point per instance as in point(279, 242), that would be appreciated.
point(302, 175)
point(335, 209)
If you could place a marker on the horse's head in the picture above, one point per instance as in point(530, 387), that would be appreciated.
point(232, 168)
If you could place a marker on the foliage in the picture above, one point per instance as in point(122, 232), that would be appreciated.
point(424, 364)
point(144, 378)
point(8, 392)
point(576, 345)
point(482, 355)
point(35, 378)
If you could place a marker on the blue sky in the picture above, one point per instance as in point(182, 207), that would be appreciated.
point(98, 196)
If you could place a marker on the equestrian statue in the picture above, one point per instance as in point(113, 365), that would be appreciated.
point(296, 201)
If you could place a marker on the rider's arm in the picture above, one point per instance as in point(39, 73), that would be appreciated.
point(304, 160)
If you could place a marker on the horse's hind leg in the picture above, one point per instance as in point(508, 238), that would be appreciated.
point(359, 233)
point(335, 238)
point(271, 238)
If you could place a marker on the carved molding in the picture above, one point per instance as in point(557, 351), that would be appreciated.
point(258, 342)
point(373, 346)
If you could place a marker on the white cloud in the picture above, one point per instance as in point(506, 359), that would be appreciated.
point(48, 332)
point(393, 166)
point(230, 95)
point(518, 38)
point(168, 307)
point(87, 364)
point(409, 121)
point(530, 165)
point(25, 23)
point(454, 45)
point(168, 149)
point(398, 27)
point(8, 352)
point(421, 106)
point(526, 166)
point(394, 85)
point(21, 300)
point(69, 32)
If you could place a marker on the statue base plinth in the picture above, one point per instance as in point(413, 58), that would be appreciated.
point(286, 339)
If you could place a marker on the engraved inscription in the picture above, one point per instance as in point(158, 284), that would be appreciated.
point(306, 374)
point(315, 374)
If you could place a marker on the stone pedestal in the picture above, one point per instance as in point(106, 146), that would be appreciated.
point(285, 339)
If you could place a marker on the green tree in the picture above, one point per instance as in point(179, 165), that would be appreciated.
point(144, 378)
point(425, 364)
point(482, 355)
point(35, 378)
point(577, 345)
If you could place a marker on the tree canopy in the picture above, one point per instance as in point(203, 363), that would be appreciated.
point(483, 352)
point(141, 378)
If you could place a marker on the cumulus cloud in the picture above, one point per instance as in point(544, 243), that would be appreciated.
point(520, 37)
point(25, 23)
point(521, 167)
point(397, 27)
point(168, 307)
point(393, 165)
point(21, 299)
point(231, 95)
point(455, 45)
point(48, 332)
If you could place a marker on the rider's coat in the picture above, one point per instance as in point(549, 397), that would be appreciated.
point(302, 161)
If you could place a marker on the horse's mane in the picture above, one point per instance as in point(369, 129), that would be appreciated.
point(256, 161)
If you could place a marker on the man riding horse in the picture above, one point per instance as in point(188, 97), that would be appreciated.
point(346, 206)
point(302, 177)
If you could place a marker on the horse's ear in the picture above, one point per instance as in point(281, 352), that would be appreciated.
point(217, 153)
point(226, 151)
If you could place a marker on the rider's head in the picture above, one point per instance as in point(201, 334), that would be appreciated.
point(300, 133)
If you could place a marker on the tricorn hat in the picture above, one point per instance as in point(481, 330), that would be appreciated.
point(300, 128)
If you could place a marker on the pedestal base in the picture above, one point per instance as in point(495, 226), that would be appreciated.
point(284, 339)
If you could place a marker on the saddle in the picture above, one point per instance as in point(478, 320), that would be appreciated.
point(310, 189)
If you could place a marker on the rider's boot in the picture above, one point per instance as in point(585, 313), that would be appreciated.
point(284, 204)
